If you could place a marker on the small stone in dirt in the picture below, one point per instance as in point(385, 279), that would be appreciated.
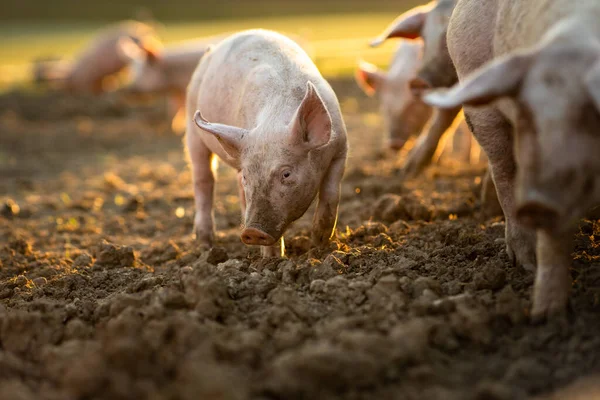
point(114, 256)
point(492, 277)
point(21, 246)
point(317, 286)
point(83, 260)
point(10, 209)
point(323, 270)
point(40, 281)
point(134, 204)
point(390, 208)
point(298, 245)
point(147, 283)
point(334, 263)
point(215, 255)
point(21, 280)
point(382, 240)
point(422, 283)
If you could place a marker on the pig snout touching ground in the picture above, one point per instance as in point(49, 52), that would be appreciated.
point(101, 58)
point(258, 102)
point(404, 114)
point(532, 93)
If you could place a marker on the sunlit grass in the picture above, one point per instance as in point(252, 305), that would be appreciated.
point(338, 41)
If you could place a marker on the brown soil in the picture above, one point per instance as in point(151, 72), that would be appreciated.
point(104, 295)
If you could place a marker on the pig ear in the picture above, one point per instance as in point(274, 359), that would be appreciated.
point(152, 48)
point(368, 77)
point(407, 25)
point(129, 49)
point(499, 78)
point(311, 126)
point(592, 83)
point(230, 137)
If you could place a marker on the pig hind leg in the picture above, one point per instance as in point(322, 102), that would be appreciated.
point(204, 183)
point(325, 217)
point(494, 134)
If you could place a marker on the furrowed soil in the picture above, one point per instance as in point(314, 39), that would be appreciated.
point(105, 295)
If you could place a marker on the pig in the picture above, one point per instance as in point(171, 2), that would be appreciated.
point(258, 102)
point(156, 70)
point(531, 92)
point(430, 23)
point(165, 71)
point(404, 114)
point(101, 58)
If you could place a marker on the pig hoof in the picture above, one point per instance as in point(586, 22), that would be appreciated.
point(413, 167)
point(520, 247)
point(550, 309)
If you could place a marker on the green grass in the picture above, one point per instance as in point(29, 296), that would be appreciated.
point(338, 40)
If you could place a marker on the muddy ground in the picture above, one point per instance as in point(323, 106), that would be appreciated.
point(103, 294)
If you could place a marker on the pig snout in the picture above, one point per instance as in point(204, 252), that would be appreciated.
point(537, 211)
point(257, 237)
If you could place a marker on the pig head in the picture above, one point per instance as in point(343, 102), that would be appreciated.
point(404, 114)
point(280, 166)
point(551, 94)
point(430, 23)
point(147, 71)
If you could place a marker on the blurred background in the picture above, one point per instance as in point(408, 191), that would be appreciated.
point(337, 29)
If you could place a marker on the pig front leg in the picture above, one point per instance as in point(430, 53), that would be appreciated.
point(326, 213)
point(242, 195)
point(494, 134)
point(552, 279)
point(203, 180)
point(420, 156)
point(489, 198)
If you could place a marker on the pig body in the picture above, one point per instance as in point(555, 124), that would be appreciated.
point(275, 120)
point(101, 57)
point(531, 92)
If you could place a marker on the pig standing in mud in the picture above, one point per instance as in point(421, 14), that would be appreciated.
point(430, 23)
point(538, 82)
point(101, 58)
point(165, 71)
point(276, 120)
point(404, 114)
